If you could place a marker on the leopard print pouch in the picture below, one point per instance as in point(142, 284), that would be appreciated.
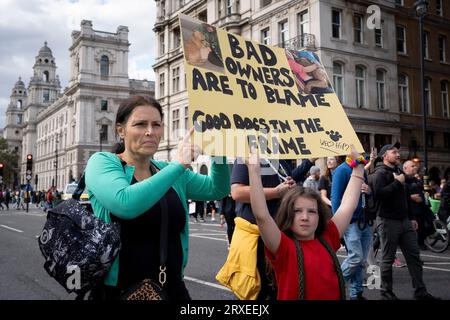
point(146, 289)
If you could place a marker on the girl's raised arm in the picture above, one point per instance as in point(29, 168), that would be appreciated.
point(269, 231)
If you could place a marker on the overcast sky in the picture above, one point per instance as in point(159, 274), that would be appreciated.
point(26, 24)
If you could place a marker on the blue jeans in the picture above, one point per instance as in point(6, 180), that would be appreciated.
point(353, 267)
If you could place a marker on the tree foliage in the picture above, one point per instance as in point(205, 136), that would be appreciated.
point(10, 159)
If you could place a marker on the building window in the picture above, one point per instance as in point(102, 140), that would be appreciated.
point(399, 2)
point(360, 75)
point(161, 44)
point(442, 41)
point(177, 5)
point(303, 23)
point(358, 28)
point(401, 39)
point(381, 140)
point(447, 140)
point(364, 138)
point(104, 133)
point(219, 8)
point(430, 139)
point(176, 38)
point(283, 32)
point(336, 23)
point(229, 8)
point(439, 10)
point(186, 118)
point(104, 66)
point(19, 104)
point(428, 106)
point(379, 36)
point(19, 119)
point(161, 85)
point(338, 80)
point(163, 8)
point(104, 105)
point(46, 95)
point(403, 93)
point(175, 123)
point(426, 43)
point(444, 99)
point(46, 76)
point(203, 16)
point(265, 3)
point(381, 91)
point(265, 36)
point(176, 79)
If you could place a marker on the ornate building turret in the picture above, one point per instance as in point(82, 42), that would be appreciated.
point(44, 86)
point(43, 90)
point(14, 116)
point(62, 130)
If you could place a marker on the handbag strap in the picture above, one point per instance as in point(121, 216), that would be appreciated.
point(82, 183)
point(80, 188)
point(163, 236)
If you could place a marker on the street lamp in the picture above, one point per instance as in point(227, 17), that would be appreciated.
point(421, 10)
point(56, 160)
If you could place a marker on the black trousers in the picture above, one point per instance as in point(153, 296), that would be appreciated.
point(395, 233)
point(229, 218)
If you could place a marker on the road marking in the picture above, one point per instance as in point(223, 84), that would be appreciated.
point(9, 228)
point(205, 224)
point(433, 256)
point(34, 214)
point(214, 285)
point(196, 236)
point(22, 214)
point(439, 269)
point(442, 263)
point(207, 234)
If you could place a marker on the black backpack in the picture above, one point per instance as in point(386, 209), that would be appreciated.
point(78, 247)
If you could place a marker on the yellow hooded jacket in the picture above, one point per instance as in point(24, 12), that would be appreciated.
point(239, 273)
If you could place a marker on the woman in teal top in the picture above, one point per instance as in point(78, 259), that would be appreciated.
point(126, 187)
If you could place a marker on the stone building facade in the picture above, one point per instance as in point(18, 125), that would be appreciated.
point(356, 43)
point(63, 129)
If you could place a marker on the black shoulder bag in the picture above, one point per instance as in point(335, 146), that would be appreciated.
point(78, 247)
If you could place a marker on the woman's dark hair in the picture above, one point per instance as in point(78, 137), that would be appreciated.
point(285, 214)
point(126, 108)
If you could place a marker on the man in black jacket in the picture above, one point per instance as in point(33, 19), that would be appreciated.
point(395, 223)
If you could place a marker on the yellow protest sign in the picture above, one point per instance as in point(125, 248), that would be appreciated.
point(243, 93)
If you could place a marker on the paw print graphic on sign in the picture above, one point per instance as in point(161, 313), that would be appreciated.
point(335, 136)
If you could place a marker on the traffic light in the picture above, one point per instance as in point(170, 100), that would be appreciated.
point(1, 169)
point(29, 162)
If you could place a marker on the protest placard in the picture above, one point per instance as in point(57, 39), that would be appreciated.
point(243, 93)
